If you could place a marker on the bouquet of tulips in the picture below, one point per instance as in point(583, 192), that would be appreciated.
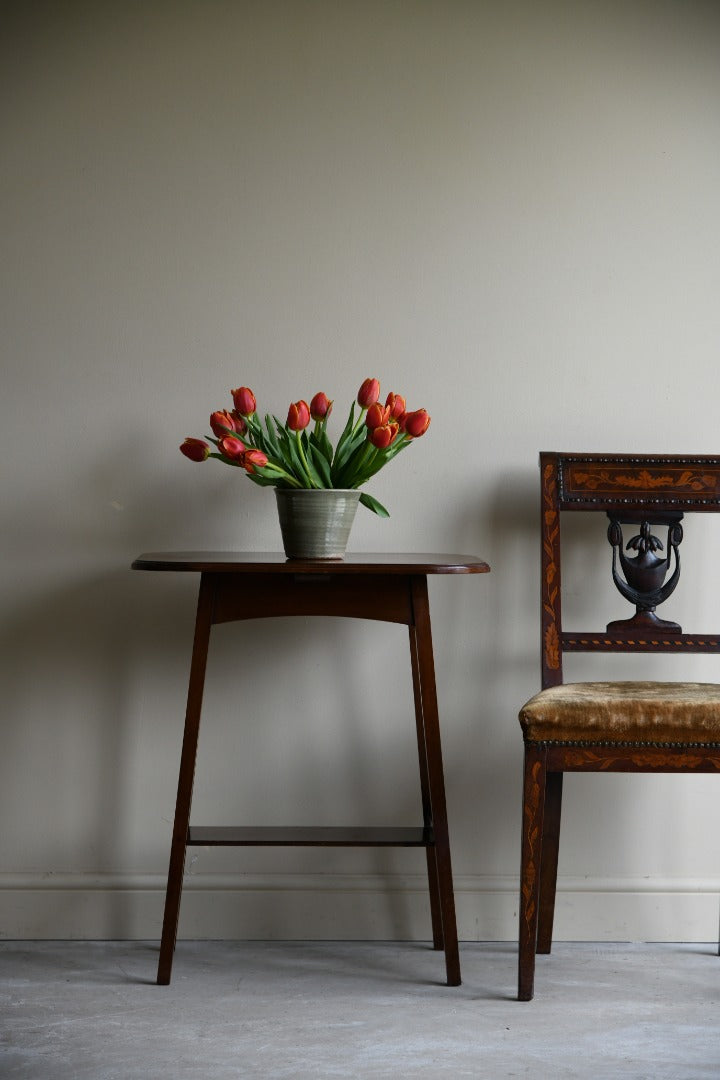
point(291, 455)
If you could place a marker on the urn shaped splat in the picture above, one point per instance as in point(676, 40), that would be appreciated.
point(643, 579)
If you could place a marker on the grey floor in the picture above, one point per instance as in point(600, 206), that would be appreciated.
point(304, 1011)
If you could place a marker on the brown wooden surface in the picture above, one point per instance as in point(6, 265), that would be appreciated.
point(624, 641)
point(392, 588)
point(600, 481)
point(188, 757)
point(258, 562)
point(384, 597)
point(307, 836)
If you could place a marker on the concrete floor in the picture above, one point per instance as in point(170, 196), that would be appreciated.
point(304, 1011)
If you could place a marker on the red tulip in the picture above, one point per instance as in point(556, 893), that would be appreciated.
point(396, 404)
point(320, 407)
point(252, 458)
point(240, 425)
point(244, 401)
point(222, 422)
point(382, 436)
point(416, 423)
point(298, 415)
point(377, 415)
point(195, 449)
point(368, 393)
point(231, 447)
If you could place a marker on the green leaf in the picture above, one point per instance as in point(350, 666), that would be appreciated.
point(352, 473)
point(294, 462)
point(345, 464)
point(344, 446)
point(321, 442)
point(318, 459)
point(257, 477)
point(312, 471)
point(374, 505)
point(255, 436)
point(271, 437)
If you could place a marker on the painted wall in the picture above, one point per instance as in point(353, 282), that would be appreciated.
point(506, 211)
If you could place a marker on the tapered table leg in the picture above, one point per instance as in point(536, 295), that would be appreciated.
point(426, 701)
point(186, 777)
point(432, 870)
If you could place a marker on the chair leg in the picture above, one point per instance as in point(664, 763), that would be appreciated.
point(531, 862)
point(549, 864)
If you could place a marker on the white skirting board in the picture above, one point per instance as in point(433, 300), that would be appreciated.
point(346, 907)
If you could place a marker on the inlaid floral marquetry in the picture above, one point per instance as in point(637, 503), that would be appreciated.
point(550, 569)
point(661, 482)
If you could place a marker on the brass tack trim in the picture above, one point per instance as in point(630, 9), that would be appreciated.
point(547, 743)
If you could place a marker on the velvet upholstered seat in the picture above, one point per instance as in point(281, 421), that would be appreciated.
point(624, 713)
point(626, 726)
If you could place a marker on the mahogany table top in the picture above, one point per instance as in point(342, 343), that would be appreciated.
point(275, 562)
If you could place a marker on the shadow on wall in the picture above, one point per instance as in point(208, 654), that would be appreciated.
point(487, 636)
point(73, 679)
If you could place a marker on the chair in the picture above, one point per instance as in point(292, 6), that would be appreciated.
point(611, 726)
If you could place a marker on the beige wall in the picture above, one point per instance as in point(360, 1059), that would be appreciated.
point(507, 211)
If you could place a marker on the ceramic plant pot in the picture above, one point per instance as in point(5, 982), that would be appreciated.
point(316, 522)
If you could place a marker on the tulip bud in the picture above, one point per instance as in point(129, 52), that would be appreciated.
point(382, 436)
point(222, 422)
point(244, 401)
point(416, 423)
point(195, 449)
point(232, 448)
point(377, 415)
point(252, 458)
point(368, 393)
point(320, 407)
point(298, 415)
point(396, 404)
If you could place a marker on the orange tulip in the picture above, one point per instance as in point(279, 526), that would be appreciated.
point(244, 401)
point(382, 436)
point(195, 449)
point(298, 415)
point(231, 447)
point(240, 425)
point(396, 404)
point(377, 415)
point(222, 422)
point(320, 407)
point(252, 458)
point(416, 423)
point(368, 393)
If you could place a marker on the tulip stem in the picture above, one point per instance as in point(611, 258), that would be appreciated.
point(303, 459)
point(360, 421)
point(263, 469)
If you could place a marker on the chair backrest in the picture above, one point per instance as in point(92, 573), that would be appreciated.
point(644, 497)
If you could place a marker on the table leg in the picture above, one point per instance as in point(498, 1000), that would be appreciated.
point(432, 870)
point(203, 622)
point(428, 723)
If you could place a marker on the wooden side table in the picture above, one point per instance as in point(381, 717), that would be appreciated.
point(389, 588)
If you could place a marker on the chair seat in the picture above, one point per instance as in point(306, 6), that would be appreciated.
point(665, 713)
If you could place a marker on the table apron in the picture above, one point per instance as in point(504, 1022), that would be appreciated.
point(383, 597)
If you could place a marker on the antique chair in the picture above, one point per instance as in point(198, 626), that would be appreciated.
point(611, 726)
